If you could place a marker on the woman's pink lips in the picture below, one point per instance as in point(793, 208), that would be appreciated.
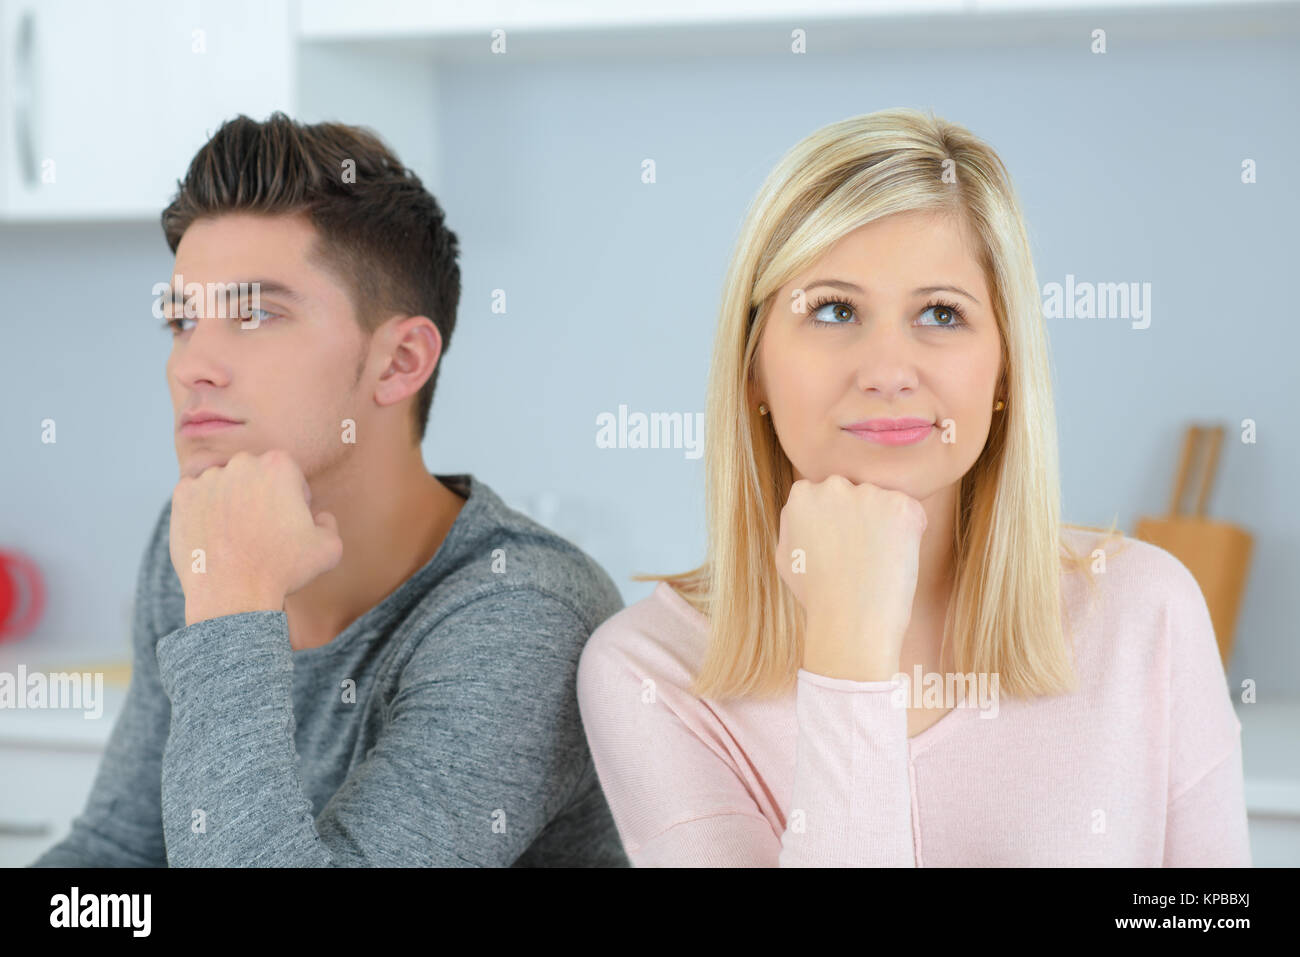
point(210, 425)
point(892, 436)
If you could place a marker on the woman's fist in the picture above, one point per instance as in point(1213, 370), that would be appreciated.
point(850, 554)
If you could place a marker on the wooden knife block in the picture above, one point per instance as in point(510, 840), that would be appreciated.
point(1216, 553)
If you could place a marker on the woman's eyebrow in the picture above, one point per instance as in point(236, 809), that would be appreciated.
point(852, 287)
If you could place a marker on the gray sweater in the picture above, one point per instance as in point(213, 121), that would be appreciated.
point(440, 728)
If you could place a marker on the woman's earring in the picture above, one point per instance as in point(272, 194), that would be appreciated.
point(762, 409)
point(999, 406)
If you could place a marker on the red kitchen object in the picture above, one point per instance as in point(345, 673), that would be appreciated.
point(22, 595)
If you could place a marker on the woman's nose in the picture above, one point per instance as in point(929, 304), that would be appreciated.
point(886, 360)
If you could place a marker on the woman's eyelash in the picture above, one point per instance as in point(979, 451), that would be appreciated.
point(942, 303)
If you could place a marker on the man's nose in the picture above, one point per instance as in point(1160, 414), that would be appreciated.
point(206, 352)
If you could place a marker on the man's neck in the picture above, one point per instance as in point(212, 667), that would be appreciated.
point(391, 526)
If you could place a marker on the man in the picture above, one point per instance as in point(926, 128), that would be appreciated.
point(339, 659)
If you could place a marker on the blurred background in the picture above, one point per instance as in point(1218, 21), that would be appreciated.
point(1149, 144)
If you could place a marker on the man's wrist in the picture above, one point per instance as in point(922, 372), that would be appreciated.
point(202, 609)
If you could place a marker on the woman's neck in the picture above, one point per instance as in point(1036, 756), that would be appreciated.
point(935, 577)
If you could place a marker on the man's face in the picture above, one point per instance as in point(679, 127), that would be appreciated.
point(290, 380)
point(881, 350)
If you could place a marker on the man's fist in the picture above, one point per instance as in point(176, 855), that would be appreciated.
point(243, 536)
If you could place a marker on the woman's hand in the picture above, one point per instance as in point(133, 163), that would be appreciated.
point(850, 554)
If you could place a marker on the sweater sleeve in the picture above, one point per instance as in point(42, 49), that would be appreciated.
point(1205, 826)
point(678, 799)
point(852, 800)
point(121, 824)
point(1205, 823)
point(481, 749)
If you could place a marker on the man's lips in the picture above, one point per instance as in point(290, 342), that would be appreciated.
point(202, 426)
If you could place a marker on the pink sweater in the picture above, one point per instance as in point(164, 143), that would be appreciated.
point(1139, 767)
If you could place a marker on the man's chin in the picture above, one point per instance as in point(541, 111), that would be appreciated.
point(194, 464)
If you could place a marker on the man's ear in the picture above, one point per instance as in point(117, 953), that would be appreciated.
point(422, 333)
point(413, 346)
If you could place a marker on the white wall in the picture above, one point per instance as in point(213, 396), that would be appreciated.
point(1127, 166)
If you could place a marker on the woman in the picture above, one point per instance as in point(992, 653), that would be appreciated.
point(894, 654)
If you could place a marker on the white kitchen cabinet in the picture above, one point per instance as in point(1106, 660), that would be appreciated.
point(45, 788)
point(48, 760)
point(102, 105)
point(567, 28)
point(1270, 744)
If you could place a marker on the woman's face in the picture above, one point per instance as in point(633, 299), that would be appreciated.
point(866, 340)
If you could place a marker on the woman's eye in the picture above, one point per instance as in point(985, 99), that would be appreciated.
point(833, 313)
point(945, 316)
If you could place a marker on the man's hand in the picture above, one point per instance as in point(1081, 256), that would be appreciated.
point(258, 537)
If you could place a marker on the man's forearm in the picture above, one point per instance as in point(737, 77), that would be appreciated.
point(231, 790)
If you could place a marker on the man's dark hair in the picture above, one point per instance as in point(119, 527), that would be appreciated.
point(382, 234)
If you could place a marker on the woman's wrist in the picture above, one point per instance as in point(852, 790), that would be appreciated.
point(848, 649)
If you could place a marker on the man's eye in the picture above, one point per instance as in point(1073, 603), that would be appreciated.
point(255, 316)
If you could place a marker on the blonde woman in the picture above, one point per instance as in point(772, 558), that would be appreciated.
point(894, 654)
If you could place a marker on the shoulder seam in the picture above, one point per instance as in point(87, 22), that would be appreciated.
point(509, 589)
point(741, 812)
point(573, 791)
point(1200, 777)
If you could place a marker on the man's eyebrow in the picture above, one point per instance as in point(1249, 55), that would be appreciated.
point(267, 287)
point(852, 287)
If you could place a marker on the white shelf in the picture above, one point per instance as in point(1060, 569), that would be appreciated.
point(558, 29)
point(62, 729)
point(1270, 743)
point(345, 20)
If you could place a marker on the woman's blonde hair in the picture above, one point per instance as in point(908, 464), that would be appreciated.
point(1005, 612)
